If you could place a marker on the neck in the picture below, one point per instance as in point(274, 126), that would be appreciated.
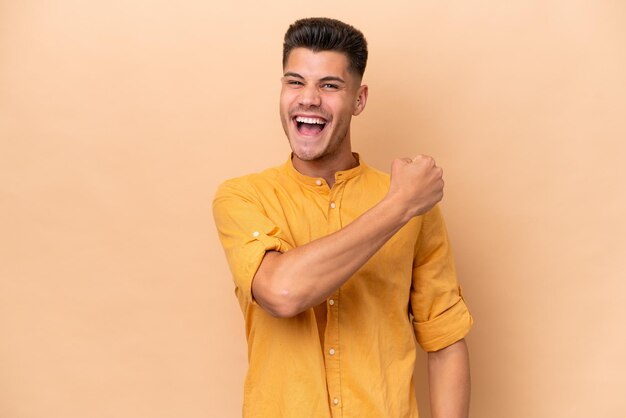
point(325, 167)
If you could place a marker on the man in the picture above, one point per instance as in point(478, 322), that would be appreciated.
point(337, 266)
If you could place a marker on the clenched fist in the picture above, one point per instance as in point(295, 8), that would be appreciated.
point(416, 184)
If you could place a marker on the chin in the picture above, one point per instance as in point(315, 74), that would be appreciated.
point(307, 155)
point(306, 152)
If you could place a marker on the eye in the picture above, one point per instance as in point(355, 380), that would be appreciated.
point(294, 83)
point(330, 86)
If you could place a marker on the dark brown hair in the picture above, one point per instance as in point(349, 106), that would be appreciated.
point(324, 34)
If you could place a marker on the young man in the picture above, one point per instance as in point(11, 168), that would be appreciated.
point(337, 266)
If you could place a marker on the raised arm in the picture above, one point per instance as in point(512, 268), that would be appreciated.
point(286, 284)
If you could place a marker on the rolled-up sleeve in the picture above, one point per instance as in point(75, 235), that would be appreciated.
point(246, 233)
point(440, 315)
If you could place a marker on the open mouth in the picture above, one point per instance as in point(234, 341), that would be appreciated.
point(309, 126)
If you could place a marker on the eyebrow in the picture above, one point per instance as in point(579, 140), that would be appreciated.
point(332, 78)
point(327, 78)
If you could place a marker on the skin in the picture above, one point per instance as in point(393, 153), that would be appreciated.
point(449, 381)
point(319, 84)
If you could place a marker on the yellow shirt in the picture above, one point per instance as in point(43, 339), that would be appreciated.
point(407, 289)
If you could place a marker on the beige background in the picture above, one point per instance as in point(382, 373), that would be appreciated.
point(118, 120)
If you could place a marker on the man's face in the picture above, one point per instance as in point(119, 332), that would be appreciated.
point(319, 96)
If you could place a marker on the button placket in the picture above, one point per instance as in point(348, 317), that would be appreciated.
point(332, 354)
point(334, 209)
point(332, 351)
point(334, 206)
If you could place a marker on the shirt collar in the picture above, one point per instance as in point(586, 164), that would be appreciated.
point(340, 176)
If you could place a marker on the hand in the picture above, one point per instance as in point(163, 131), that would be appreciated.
point(416, 184)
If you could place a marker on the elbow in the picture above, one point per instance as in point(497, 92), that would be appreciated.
point(280, 302)
point(283, 311)
point(285, 305)
point(275, 291)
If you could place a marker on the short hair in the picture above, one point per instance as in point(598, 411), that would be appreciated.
point(324, 34)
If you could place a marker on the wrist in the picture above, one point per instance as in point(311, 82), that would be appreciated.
point(397, 207)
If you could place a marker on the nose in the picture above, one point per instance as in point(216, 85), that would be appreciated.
point(310, 96)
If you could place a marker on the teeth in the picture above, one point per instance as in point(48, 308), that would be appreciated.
point(310, 120)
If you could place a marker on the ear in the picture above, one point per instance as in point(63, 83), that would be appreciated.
point(361, 100)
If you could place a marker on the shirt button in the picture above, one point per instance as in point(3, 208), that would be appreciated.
point(318, 182)
point(331, 302)
point(336, 401)
point(255, 234)
point(332, 205)
point(332, 351)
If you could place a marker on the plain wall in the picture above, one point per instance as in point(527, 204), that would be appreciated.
point(119, 119)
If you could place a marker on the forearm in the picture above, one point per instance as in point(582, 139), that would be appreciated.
point(289, 283)
point(449, 381)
